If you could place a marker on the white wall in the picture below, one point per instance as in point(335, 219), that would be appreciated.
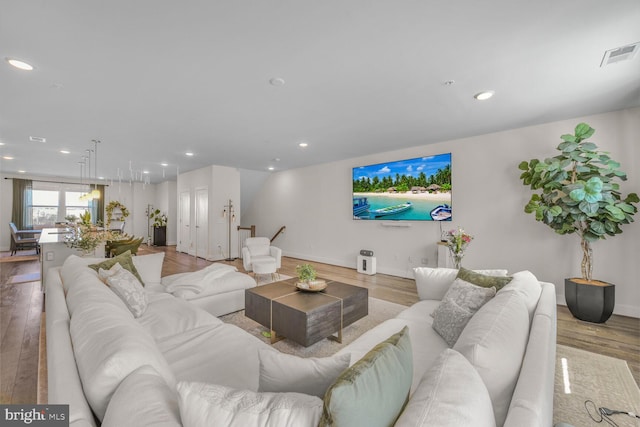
point(488, 199)
point(136, 197)
point(222, 184)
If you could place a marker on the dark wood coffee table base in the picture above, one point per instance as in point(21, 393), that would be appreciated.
point(306, 317)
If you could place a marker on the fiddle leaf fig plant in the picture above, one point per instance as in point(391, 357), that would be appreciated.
point(578, 191)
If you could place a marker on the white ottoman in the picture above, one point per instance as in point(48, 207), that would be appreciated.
point(264, 267)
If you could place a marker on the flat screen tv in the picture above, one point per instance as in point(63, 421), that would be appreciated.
point(404, 190)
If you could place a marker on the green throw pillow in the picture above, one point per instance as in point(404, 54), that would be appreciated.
point(483, 280)
point(374, 391)
point(125, 261)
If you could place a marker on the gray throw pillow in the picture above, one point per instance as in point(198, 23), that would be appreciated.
point(459, 304)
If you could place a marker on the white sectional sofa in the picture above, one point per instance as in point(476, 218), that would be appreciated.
point(118, 370)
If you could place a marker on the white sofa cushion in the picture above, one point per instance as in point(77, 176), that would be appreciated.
point(143, 398)
point(433, 283)
point(280, 372)
point(203, 405)
point(149, 267)
point(167, 316)
point(124, 284)
point(451, 393)
point(528, 285)
point(108, 345)
point(494, 341)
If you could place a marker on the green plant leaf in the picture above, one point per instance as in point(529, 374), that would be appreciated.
point(568, 147)
point(578, 194)
point(597, 228)
point(588, 146)
point(555, 210)
point(584, 131)
point(588, 208)
point(523, 166)
point(632, 198)
point(567, 137)
point(615, 212)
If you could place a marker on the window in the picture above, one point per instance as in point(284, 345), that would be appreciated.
point(44, 208)
point(52, 202)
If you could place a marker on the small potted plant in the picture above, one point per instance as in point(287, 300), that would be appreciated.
point(307, 278)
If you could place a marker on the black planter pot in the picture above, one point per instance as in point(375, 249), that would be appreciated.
point(591, 303)
point(160, 236)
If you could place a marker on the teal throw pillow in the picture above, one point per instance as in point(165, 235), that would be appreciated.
point(374, 391)
point(483, 280)
point(124, 259)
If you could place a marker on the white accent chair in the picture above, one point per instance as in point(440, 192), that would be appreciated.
point(259, 249)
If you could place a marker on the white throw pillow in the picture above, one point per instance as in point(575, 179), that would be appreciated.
point(451, 393)
point(280, 372)
point(494, 342)
point(149, 267)
point(143, 399)
point(124, 284)
point(433, 283)
point(203, 405)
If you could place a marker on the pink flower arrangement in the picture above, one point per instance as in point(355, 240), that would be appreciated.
point(457, 240)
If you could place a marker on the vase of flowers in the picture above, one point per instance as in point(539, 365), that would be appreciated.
point(457, 242)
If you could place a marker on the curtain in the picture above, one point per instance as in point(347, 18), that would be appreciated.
point(99, 205)
point(22, 199)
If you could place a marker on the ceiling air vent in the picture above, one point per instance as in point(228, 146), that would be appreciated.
point(619, 54)
point(37, 139)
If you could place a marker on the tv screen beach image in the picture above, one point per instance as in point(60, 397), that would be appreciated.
point(413, 190)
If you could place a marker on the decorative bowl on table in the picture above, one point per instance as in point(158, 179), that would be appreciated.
point(312, 286)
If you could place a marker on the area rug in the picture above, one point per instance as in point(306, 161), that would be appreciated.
point(379, 311)
point(584, 376)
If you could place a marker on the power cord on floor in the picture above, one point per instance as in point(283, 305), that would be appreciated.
point(600, 414)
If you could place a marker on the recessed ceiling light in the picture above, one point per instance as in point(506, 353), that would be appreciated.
point(22, 171)
point(303, 144)
point(164, 164)
point(271, 168)
point(483, 96)
point(1, 143)
point(145, 172)
point(277, 81)
point(37, 139)
point(19, 64)
point(188, 153)
point(7, 157)
point(65, 151)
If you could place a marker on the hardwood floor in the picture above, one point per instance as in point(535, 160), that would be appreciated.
point(22, 303)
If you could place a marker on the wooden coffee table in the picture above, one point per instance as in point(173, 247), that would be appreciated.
point(306, 317)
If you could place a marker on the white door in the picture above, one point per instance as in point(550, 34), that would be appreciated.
point(202, 223)
point(184, 240)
